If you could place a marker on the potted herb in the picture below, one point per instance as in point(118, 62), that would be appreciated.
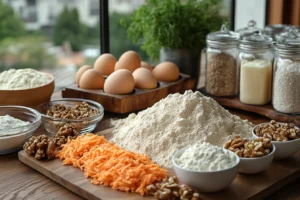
point(174, 30)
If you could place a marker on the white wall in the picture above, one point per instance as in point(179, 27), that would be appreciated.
point(246, 10)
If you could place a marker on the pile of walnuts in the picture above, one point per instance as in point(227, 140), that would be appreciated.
point(81, 110)
point(65, 133)
point(43, 146)
point(278, 131)
point(249, 148)
point(40, 147)
point(169, 189)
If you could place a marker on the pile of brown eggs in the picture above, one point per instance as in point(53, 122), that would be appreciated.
point(124, 75)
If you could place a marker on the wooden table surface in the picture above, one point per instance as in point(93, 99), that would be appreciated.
point(18, 181)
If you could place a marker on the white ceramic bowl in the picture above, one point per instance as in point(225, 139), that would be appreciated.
point(12, 139)
point(256, 165)
point(283, 149)
point(206, 181)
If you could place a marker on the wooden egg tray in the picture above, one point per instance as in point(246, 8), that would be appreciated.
point(139, 99)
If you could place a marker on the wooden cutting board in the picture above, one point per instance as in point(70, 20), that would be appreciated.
point(255, 186)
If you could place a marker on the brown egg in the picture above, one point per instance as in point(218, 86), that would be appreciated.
point(166, 71)
point(91, 79)
point(144, 79)
point(119, 82)
point(129, 60)
point(146, 65)
point(116, 65)
point(80, 72)
point(105, 64)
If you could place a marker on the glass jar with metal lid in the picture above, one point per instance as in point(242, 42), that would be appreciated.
point(221, 66)
point(249, 30)
point(255, 60)
point(286, 79)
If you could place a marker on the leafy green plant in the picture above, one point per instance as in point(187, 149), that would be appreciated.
point(175, 24)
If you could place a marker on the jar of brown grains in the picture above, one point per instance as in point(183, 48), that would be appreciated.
point(221, 66)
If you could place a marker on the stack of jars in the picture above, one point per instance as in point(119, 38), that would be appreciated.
point(244, 64)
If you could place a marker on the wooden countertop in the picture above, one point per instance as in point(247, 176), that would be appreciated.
point(19, 181)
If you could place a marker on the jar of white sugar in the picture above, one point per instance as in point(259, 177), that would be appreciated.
point(255, 60)
point(286, 80)
point(221, 66)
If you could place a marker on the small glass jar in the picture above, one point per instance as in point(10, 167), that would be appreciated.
point(249, 30)
point(286, 79)
point(221, 65)
point(255, 61)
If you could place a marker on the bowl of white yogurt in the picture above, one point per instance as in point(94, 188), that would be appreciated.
point(17, 124)
point(205, 167)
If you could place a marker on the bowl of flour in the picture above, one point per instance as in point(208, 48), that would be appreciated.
point(17, 124)
point(201, 164)
point(25, 87)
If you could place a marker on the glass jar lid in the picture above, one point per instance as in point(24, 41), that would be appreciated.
point(222, 37)
point(249, 30)
point(256, 41)
point(289, 42)
point(275, 29)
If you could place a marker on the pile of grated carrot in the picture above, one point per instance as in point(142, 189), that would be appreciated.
point(110, 165)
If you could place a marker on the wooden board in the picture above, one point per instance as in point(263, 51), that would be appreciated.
point(265, 110)
point(255, 186)
point(140, 99)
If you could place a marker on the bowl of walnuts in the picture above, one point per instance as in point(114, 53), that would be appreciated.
point(285, 137)
point(256, 154)
point(80, 114)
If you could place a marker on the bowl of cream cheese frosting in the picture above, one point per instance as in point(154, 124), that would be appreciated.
point(17, 124)
point(25, 87)
point(201, 164)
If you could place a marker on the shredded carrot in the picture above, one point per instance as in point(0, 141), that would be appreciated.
point(110, 165)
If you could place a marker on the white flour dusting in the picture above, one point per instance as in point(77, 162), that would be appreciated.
point(175, 122)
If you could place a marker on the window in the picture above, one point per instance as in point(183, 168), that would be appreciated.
point(119, 43)
point(56, 36)
point(94, 7)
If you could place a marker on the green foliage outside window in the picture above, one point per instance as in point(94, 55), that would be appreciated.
point(25, 52)
point(68, 28)
point(118, 37)
point(10, 24)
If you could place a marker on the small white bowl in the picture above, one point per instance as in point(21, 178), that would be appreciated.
point(283, 149)
point(258, 164)
point(206, 181)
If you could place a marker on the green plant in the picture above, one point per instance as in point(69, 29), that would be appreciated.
point(175, 24)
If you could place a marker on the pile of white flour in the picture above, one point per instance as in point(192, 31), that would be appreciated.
point(23, 79)
point(175, 122)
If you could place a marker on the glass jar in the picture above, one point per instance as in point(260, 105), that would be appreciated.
point(255, 61)
point(275, 29)
point(249, 30)
point(286, 79)
point(221, 66)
